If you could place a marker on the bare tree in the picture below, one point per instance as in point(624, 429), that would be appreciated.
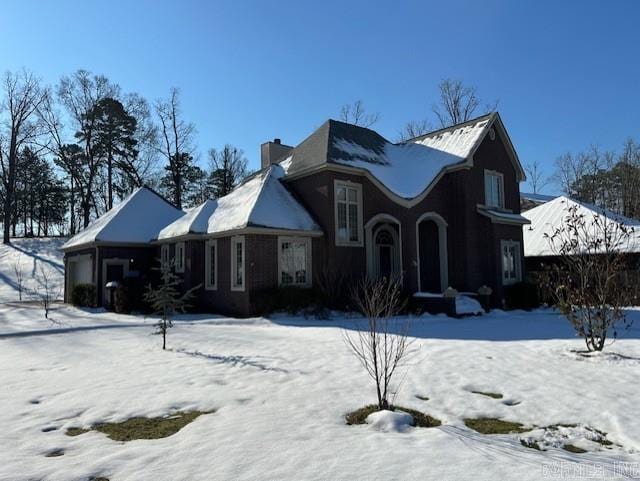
point(145, 163)
point(80, 93)
point(458, 103)
point(176, 143)
point(383, 344)
point(356, 114)
point(167, 299)
point(227, 168)
point(47, 290)
point(414, 129)
point(19, 275)
point(587, 281)
point(583, 176)
point(18, 127)
point(536, 176)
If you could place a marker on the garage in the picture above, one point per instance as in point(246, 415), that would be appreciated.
point(79, 270)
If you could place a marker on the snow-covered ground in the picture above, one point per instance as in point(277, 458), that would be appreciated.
point(281, 387)
point(30, 256)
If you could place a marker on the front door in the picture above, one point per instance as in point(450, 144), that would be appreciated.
point(386, 252)
point(429, 251)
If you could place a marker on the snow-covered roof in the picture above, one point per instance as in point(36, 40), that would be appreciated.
point(502, 217)
point(137, 219)
point(260, 201)
point(548, 217)
point(194, 220)
point(537, 198)
point(407, 169)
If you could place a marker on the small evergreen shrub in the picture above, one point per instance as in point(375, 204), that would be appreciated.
point(83, 295)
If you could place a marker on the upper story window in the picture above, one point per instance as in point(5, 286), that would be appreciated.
point(348, 213)
point(237, 263)
point(511, 262)
point(211, 264)
point(294, 261)
point(180, 254)
point(164, 255)
point(493, 189)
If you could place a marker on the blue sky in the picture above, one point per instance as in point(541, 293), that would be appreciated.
point(566, 73)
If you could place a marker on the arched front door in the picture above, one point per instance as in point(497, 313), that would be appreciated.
point(386, 252)
point(432, 253)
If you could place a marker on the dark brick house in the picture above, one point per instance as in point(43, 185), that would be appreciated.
point(436, 211)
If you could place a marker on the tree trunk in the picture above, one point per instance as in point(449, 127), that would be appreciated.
point(109, 182)
point(6, 239)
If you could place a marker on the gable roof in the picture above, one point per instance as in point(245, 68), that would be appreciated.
point(406, 169)
point(260, 201)
point(547, 217)
point(136, 220)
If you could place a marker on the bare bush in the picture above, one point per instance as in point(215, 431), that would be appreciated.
point(19, 275)
point(47, 291)
point(586, 283)
point(382, 345)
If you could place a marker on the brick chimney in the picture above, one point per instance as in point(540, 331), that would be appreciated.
point(272, 152)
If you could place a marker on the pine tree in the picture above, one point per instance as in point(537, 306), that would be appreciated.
point(115, 142)
point(167, 299)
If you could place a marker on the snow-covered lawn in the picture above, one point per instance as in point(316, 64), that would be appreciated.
point(30, 256)
point(281, 388)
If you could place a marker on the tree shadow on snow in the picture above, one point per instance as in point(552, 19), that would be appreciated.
point(542, 324)
point(234, 360)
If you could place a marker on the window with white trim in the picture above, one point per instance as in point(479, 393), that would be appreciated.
point(511, 262)
point(164, 255)
point(294, 261)
point(180, 254)
point(493, 189)
point(211, 264)
point(237, 263)
point(348, 213)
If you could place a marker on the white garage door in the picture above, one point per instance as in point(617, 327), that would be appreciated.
point(81, 270)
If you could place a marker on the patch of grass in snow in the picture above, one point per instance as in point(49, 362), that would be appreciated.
point(573, 449)
point(493, 395)
point(143, 428)
point(421, 420)
point(495, 426)
point(76, 431)
point(55, 453)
